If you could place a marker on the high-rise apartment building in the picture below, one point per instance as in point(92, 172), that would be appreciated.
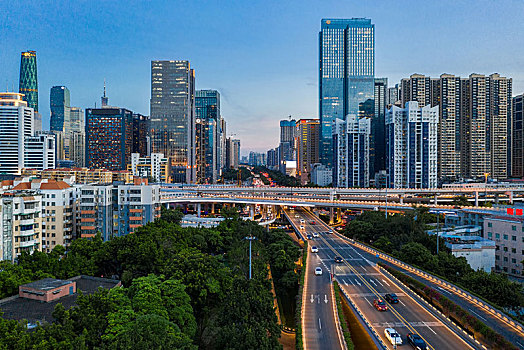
point(392, 95)
point(232, 153)
point(308, 134)
point(154, 167)
point(517, 161)
point(223, 145)
point(287, 145)
point(378, 132)
point(60, 103)
point(475, 122)
point(207, 112)
point(76, 137)
point(109, 138)
point(412, 146)
point(351, 141)
point(172, 111)
point(141, 129)
point(16, 123)
point(346, 76)
point(40, 151)
point(28, 84)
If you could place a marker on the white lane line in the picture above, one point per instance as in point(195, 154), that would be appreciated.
point(358, 282)
point(368, 302)
point(319, 324)
point(350, 281)
point(387, 284)
point(478, 315)
point(402, 302)
point(429, 328)
point(372, 281)
point(380, 283)
point(345, 282)
point(522, 346)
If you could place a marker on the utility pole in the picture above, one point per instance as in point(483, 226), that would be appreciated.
point(387, 178)
point(250, 238)
point(438, 216)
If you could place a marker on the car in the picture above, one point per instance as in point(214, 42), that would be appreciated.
point(302, 221)
point(416, 341)
point(318, 271)
point(302, 228)
point(315, 235)
point(338, 259)
point(309, 237)
point(393, 337)
point(380, 305)
point(391, 298)
point(314, 249)
point(313, 222)
point(297, 216)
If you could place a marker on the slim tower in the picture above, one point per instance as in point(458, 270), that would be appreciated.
point(28, 84)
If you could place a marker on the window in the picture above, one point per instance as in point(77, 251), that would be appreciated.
point(490, 224)
point(513, 228)
point(514, 260)
point(497, 257)
point(505, 249)
point(490, 235)
point(505, 258)
point(497, 235)
point(505, 236)
point(514, 238)
point(513, 250)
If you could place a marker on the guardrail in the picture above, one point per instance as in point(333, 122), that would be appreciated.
point(444, 284)
point(363, 318)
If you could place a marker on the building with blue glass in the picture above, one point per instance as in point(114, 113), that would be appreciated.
point(60, 103)
point(28, 84)
point(207, 113)
point(346, 76)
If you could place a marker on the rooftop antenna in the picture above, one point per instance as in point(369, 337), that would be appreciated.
point(104, 98)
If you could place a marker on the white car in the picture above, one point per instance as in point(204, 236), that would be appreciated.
point(302, 228)
point(302, 221)
point(315, 235)
point(318, 271)
point(393, 337)
point(297, 216)
point(314, 249)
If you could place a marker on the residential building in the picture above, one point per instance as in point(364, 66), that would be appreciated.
point(16, 123)
point(21, 224)
point(257, 159)
point(109, 138)
point(321, 175)
point(28, 84)
point(518, 137)
point(40, 151)
point(308, 133)
point(287, 145)
point(351, 142)
point(222, 152)
point(272, 159)
point(205, 149)
point(412, 146)
point(173, 116)
point(346, 77)
point(392, 95)
point(60, 103)
point(141, 139)
point(76, 137)
point(232, 153)
point(155, 167)
point(81, 175)
point(378, 132)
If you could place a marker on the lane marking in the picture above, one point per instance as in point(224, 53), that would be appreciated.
point(402, 302)
point(325, 298)
point(429, 328)
point(358, 282)
point(386, 282)
point(478, 315)
point(319, 324)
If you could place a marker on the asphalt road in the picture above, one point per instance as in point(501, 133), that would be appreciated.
point(364, 282)
point(319, 327)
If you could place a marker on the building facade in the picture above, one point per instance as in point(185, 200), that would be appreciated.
point(40, 151)
point(60, 103)
point(346, 76)
point(378, 132)
point(508, 233)
point(28, 84)
point(321, 175)
point(172, 111)
point(141, 129)
point(155, 167)
point(109, 138)
point(16, 123)
point(207, 112)
point(412, 146)
point(351, 143)
point(517, 162)
point(308, 134)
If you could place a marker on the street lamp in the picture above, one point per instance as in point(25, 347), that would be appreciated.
point(250, 238)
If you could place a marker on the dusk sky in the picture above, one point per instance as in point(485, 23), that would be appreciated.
point(262, 56)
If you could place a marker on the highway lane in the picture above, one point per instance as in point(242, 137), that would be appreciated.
point(318, 326)
point(364, 282)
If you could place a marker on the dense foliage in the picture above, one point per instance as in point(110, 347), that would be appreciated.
point(404, 237)
point(184, 288)
point(232, 174)
point(279, 178)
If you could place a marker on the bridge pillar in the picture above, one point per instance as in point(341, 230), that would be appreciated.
point(331, 214)
point(212, 208)
point(339, 214)
point(510, 197)
point(496, 198)
point(435, 199)
point(331, 195)
point(251, 212)
point(476, 198)
point(199, 209)
point(401, 198)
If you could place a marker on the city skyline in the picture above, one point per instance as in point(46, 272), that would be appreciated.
point(281, 68)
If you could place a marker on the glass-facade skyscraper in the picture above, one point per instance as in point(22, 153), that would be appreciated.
point(207, 113)
point(60, 103)
point(346, 76)
point(172, 112)
point(28, 84)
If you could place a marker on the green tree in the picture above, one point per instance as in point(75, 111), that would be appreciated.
point(173, 216)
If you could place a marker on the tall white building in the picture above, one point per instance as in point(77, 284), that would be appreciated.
point(40, 151)
point(411, 146)
point(16, 123)
point(155, 166)
point(351, 142)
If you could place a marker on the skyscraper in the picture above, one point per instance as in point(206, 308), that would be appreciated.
point(60, 103)
point(141, 129)
point(346, 75)
point(308, 132)
point(28, 84)
point(412, 146)
point(207, 113)
point(518, 137)
point(109, 138)
point(287, 147)
point(378, 140)
point(172, 111)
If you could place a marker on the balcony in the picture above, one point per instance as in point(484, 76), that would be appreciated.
point(30, 243)
point(27, 222)
point(26, 233)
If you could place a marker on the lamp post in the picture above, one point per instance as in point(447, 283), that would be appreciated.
point(250, 238)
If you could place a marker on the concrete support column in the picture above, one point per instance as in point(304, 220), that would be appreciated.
point(199, 209)
point(401, 198)
point(331, 195)
point(251, 212)
point(496, 198)
point(476, 198)
point(510, 197)
point(339, 214)
point(435, 199)
point(212, 208)
point(331, 214)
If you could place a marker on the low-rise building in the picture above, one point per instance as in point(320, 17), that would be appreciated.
point(82, 175)
point(321, 174)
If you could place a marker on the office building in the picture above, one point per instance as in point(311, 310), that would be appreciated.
point(287, 145)
point(141, 129)
point(518, 137)
point(109, 138)
point(232, 153)
point(378, 132)
point(307, 134)
point(173, 116)
point(392, 95)
point(16, 123)
point(60, 103)
point(412, 146)
point(346, 76)
point(207, 109)
point(40, 151)
point(272, 159)
point(76, 137)
point(321, 175)
point(154, 167)
point(21, 224)
point(222, 152)
point(351, 143)
point(28, 84)
point(257, 159)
